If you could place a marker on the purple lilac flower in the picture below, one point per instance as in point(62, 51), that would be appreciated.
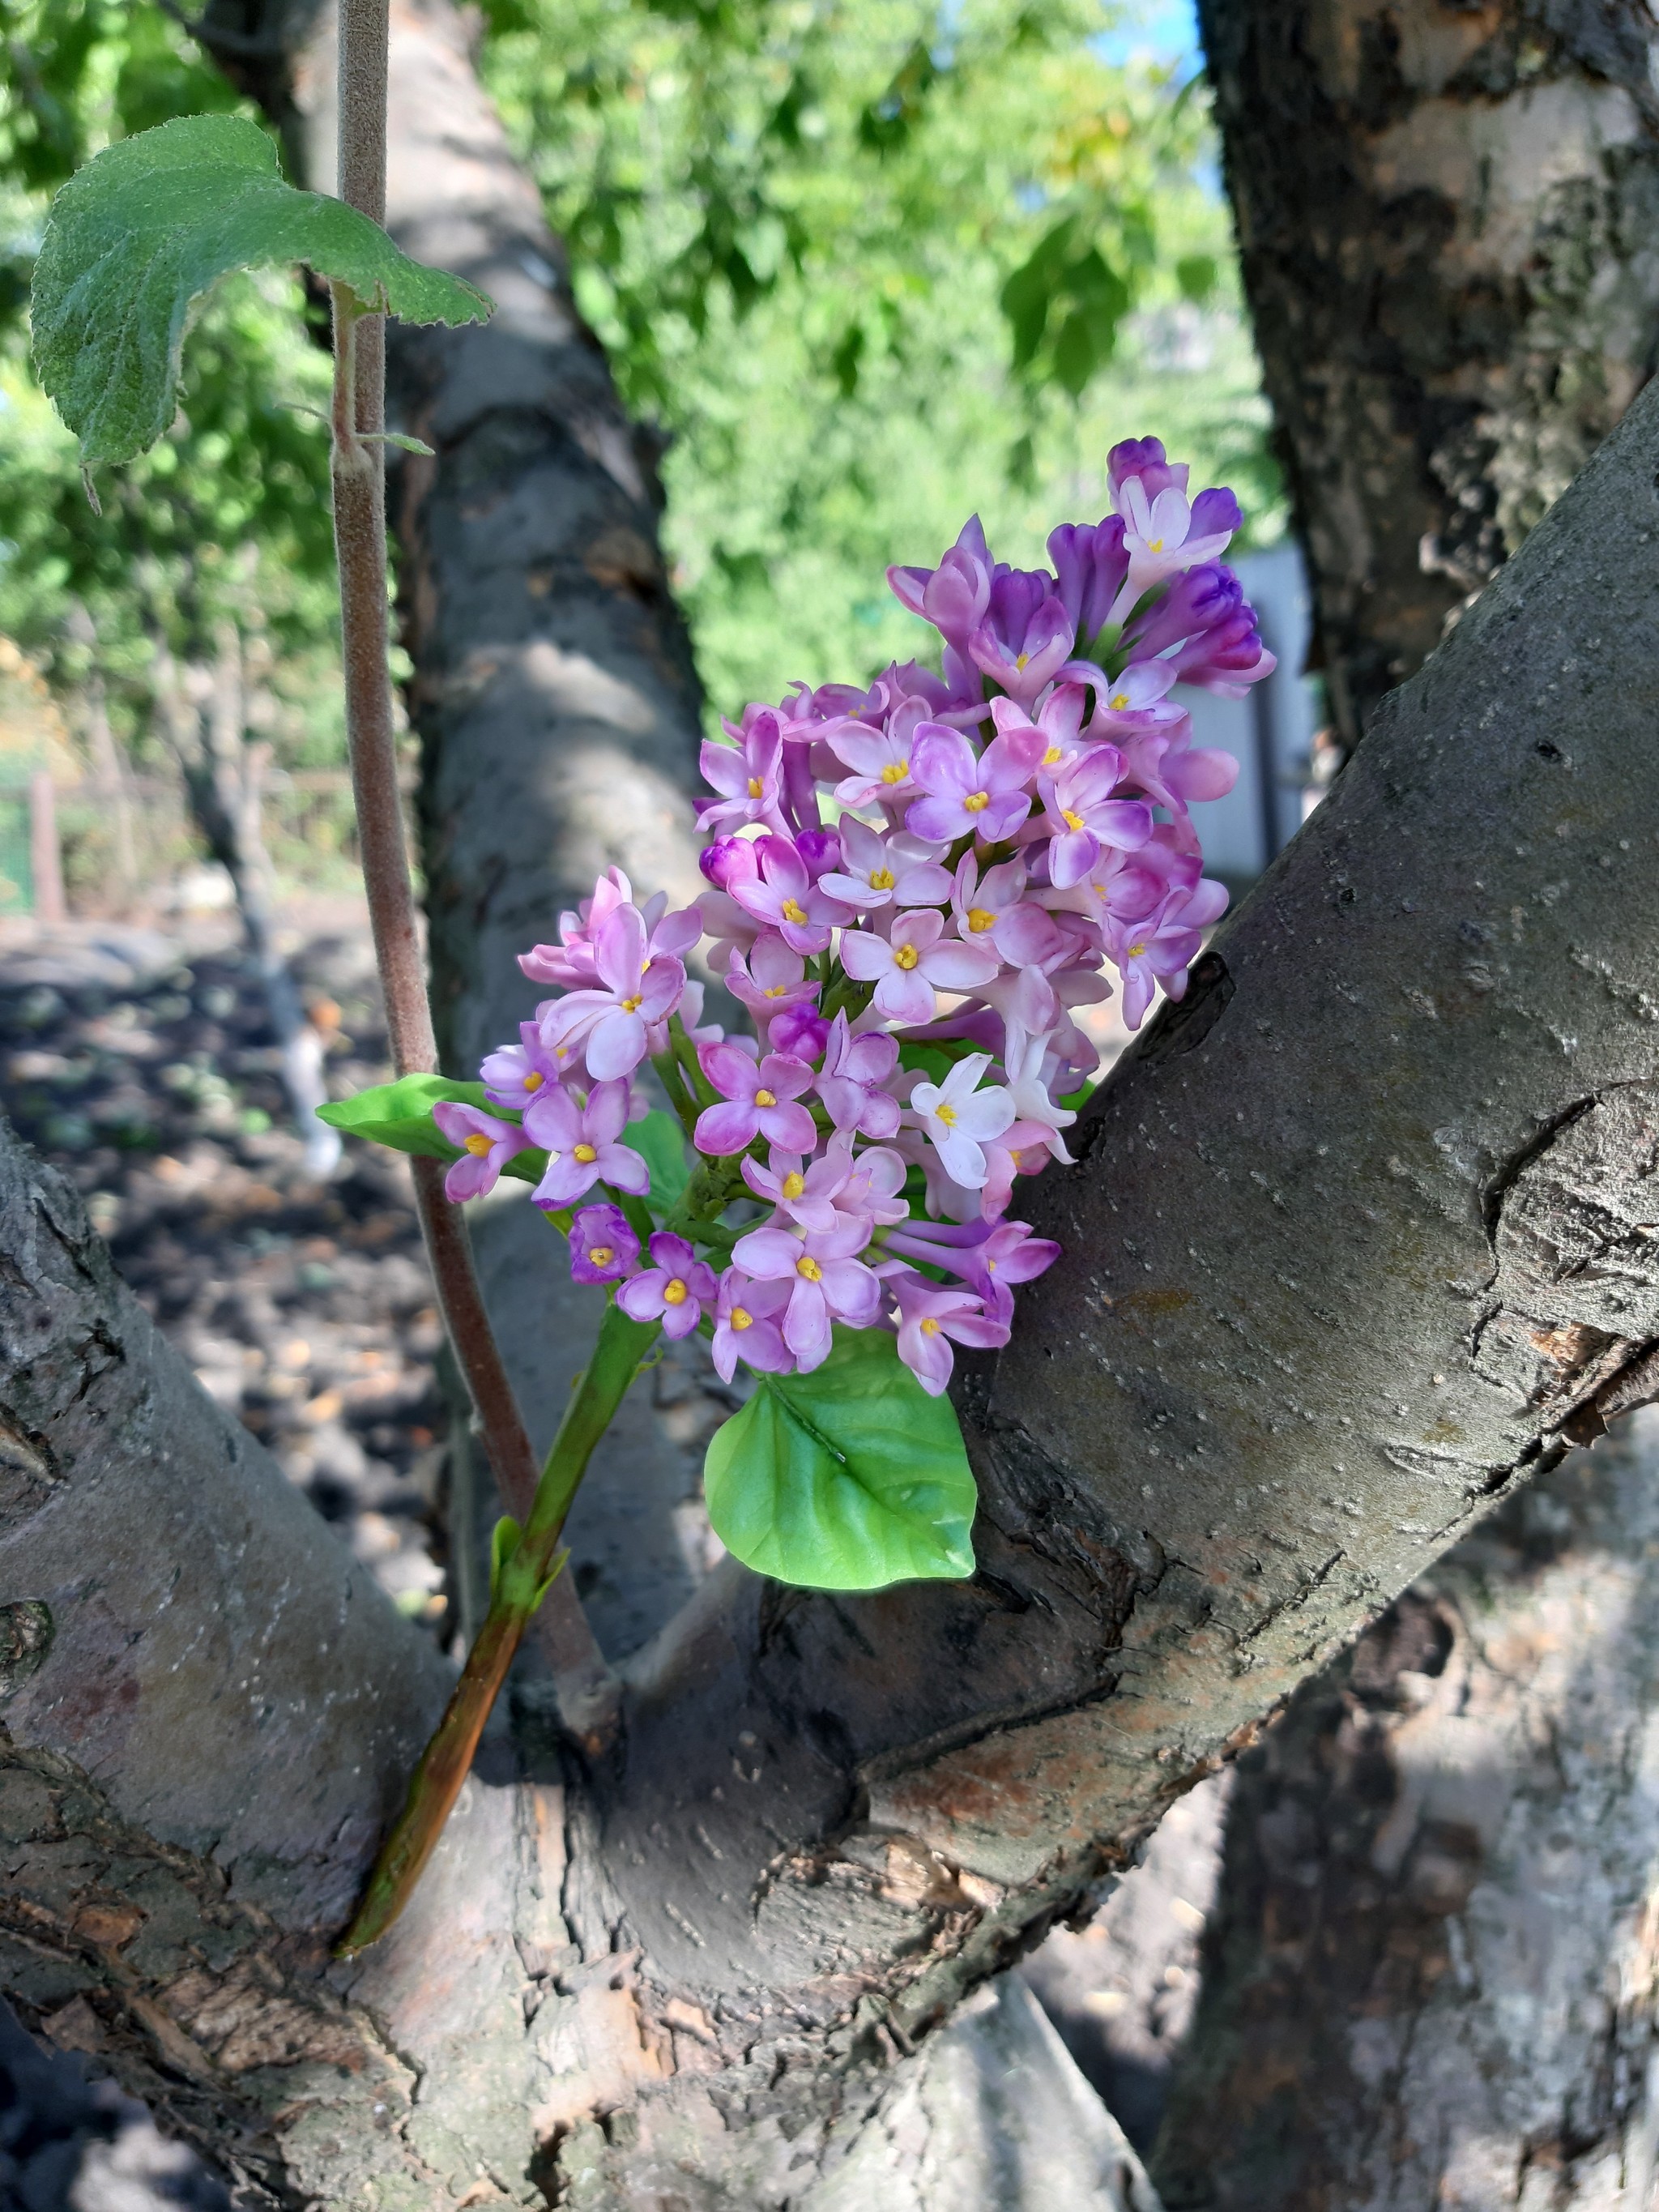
point(746, 1326)
point(487, 1145)
point(580, 1142)
point(983, 795)
point(851, 1081)
point(757, 1102)
point(602, 1247)
point(992, 909)
point(771, 979)
point(802, 1190)
point(1082, 816)
point(675, 1289)
point(513, 1074)
point(1027, 640)
point(876, 871)
point(917, 959)
point(990, 1257)
point(747, 775)
point(930, 1319)
point(880, 759)
point(826, 1283)
point(784, 897)
point(635, 990)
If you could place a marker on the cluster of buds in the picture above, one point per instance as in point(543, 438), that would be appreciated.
point(911, 889)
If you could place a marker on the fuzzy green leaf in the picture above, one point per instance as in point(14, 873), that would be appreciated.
point(849, 1478)
point(136, 237)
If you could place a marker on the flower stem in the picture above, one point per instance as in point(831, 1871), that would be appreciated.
point(519, 1586)
point(357, 411)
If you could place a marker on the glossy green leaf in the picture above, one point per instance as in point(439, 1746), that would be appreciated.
point(136, 237)
point(400, 1113)
point(661, 1141)
point(849, 1478)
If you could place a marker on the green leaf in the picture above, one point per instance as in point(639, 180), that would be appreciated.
point(400, 1113)
point(849, 1478)
point(660, 1142)
point(136, 237)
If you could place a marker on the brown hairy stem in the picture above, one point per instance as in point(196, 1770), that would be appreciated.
point(358, 479)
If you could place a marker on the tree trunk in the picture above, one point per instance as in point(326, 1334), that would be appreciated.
point(1473, 301)
point(1445, 217)
point(1431, 1977)
point(1355, 1231)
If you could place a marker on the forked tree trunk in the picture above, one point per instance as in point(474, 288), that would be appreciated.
point(1355, 1231)
point(1446, 216)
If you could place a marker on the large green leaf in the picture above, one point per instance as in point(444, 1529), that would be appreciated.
point(136, 237)
point(849, 1478)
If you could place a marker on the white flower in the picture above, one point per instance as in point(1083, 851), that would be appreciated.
point(958, 1119)
point(1023, 1057)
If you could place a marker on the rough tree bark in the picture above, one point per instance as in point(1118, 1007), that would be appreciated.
point(1477, 296)
point(1430, 1975)
point(1355, 1231)
point(1446, 216)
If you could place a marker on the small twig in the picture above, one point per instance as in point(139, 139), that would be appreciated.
point(357, 416)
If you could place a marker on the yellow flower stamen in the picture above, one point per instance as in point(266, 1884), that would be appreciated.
point(1154, 545)
point(632, 1005)
point(534, 1080)
point(980, 919)
point(775, 990)
point(754, 787)
point(1118, 702)
point(947, 1113)
point(895, 771)
point(478, 1144)
point(766, 1098)
point(674, 1292)
point(905, 956)
point(793, 911)
point(1072, 821)
point(1136, 951)
point(930, 1326)
point(600, 1255)
point(585, 1153)
point(1049, 757)
point(807, 1266)
point(881, 879)
point(793, 1184)
point(1022, 660)
point(741, 1317)
point(977, 801)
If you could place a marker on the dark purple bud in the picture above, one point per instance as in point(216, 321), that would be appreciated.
point(1197, 600)
point(729, 861)
point(1214, 511)
point(798, 1031)
point(820, 849)
point(1090, 564)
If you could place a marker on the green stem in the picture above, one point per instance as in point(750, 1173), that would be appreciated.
point(518, 1589)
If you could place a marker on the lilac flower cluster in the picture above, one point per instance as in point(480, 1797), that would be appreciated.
point(912, 889)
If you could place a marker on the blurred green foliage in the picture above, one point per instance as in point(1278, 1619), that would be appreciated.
point(874, 265)
point(871, 264)
point(227, 517)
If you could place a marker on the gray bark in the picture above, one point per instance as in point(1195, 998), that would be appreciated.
point(1431, 1977)
point(1446, 218)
